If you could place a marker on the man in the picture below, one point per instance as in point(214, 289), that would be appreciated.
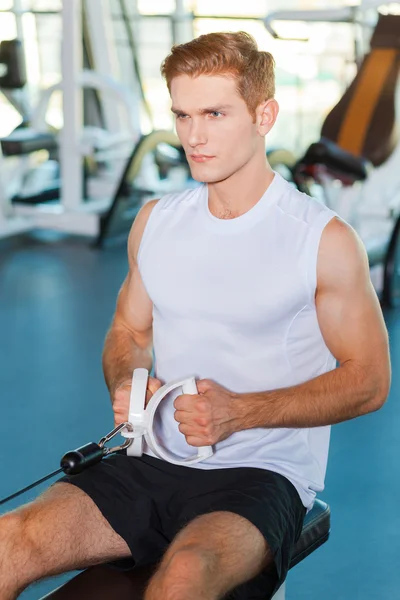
point(256, 290)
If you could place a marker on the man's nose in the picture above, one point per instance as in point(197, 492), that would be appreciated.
point(197, 133)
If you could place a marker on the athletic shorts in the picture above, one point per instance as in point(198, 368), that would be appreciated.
point(147, 501)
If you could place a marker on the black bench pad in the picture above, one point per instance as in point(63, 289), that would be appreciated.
point(316, 530)
point(25, 140)
point(326, 152)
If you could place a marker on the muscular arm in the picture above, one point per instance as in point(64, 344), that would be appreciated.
point(129, 341)
point(353, 328)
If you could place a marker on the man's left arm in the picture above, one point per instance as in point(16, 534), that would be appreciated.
point(353, 328)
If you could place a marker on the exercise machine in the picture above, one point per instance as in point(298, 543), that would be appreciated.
point(103, 154)
point(77, 189)
point(353, 168)
point(101, 581)
point(138, 428)
point(157, 166)
point(116, 180)
point(59, 193)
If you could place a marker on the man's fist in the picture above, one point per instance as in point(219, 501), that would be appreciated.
point(122, 395)
point(208, 417)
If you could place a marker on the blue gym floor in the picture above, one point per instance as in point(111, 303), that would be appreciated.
point(57, 299)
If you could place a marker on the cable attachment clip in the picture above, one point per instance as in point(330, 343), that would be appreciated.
point(115, 432)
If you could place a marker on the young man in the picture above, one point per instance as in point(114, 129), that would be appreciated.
point(257, 290)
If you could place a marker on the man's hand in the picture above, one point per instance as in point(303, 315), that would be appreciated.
point(207, 417)
point(121, 398)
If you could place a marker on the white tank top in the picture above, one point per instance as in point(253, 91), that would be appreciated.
point(233, 301)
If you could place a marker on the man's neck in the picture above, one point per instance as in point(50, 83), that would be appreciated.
point(239, 193)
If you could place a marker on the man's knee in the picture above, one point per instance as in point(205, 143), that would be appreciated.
point(24, 523)
point(11, 526)
point(184, 573)
point(9, 523)
point(18, 534)
point(191, 560)
point(14, 552)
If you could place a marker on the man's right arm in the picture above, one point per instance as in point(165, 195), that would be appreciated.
point(129, 341)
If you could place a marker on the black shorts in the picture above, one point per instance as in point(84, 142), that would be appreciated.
point(147, 501)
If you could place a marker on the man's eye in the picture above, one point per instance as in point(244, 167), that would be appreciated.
point(215, 113)
point(181, 116)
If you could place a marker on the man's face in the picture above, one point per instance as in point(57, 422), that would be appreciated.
point(214, 126)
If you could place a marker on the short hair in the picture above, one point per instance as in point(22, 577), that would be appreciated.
point(234, 54)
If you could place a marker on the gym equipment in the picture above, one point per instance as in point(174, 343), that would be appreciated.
point(26, 182)
point(116, 185)
point(361, 16)
point(12, 57)
point(156, 167)
point(90, 159)
point(96, 145)
point(353, 168)
point(101, 581)
point(138, 426)
point(141, 418)
point(76, 461)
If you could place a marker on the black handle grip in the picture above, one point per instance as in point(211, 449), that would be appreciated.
point(78, 460)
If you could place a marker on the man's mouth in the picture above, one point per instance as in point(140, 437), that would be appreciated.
point(201, 157)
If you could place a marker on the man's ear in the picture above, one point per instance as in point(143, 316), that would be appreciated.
point(266, 115)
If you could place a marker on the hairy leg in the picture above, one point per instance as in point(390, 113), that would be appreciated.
point(212, 555)
point(60, 531)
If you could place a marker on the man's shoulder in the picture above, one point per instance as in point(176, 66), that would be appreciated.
point(301, 207)
point(172, 200)
point(341, 241)
point(151, 209)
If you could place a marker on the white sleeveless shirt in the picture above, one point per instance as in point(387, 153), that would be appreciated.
point(233, 301)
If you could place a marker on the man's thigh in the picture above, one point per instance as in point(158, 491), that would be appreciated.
point(60, 531)
point(130, 493)
point(66, 513)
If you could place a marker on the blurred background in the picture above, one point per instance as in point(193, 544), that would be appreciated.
point(311, 75)
point(87, 137)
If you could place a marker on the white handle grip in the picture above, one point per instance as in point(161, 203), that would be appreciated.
point(141, 418)
point(136, 416)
